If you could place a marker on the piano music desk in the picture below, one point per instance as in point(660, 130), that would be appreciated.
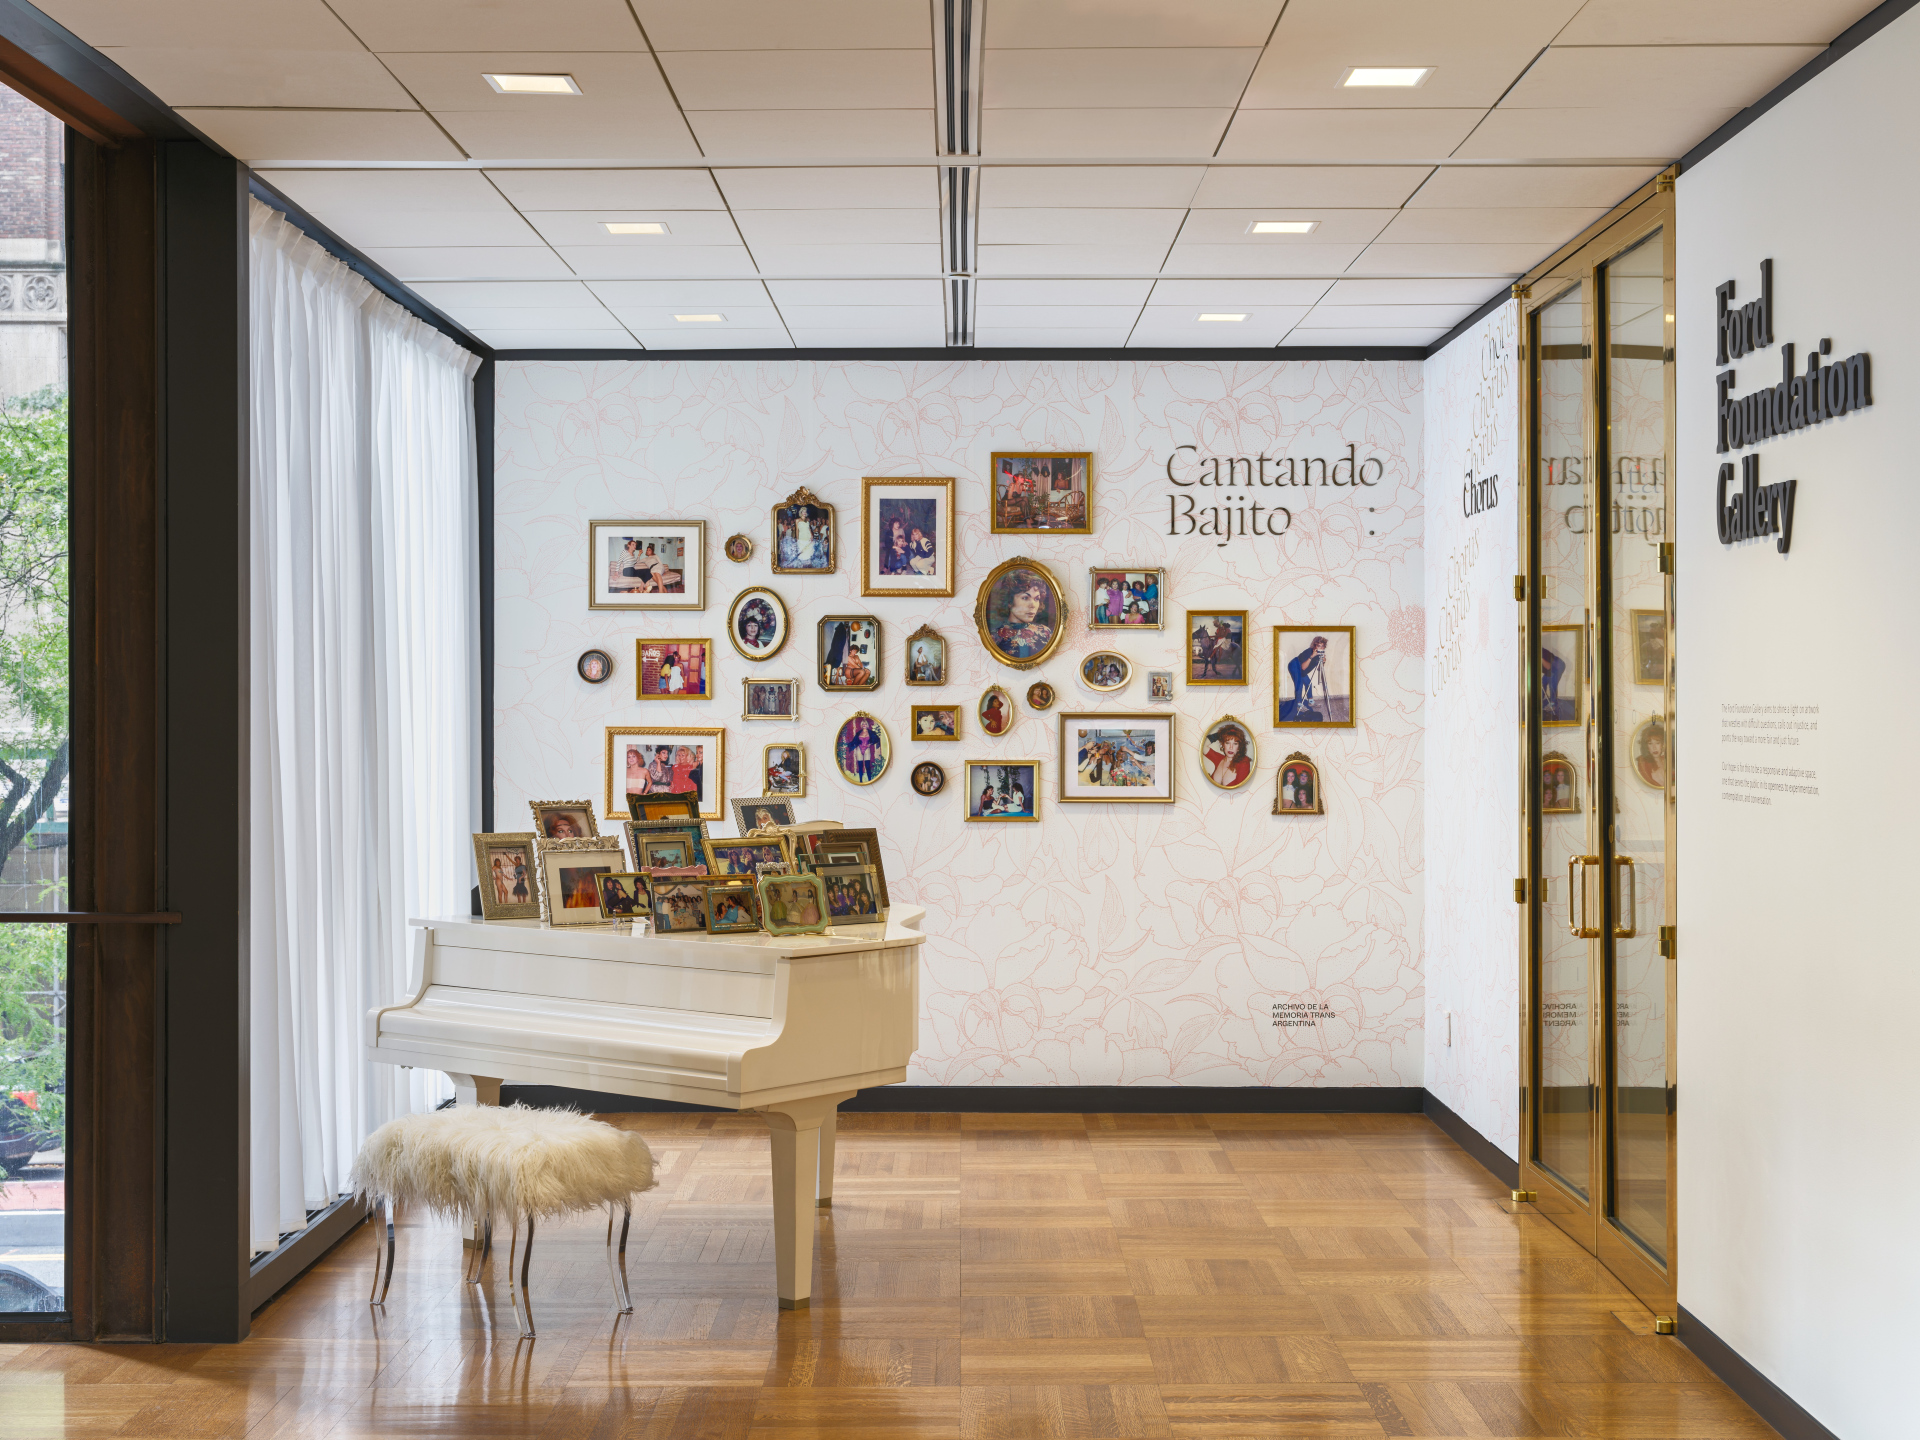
point(788, 1026)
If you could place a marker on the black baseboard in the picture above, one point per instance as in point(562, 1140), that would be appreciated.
point(1497, 1162)
point(272, 1273)
point(1766, 1399)
point(1045, 1099)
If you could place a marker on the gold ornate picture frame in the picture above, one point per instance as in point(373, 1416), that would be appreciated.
point(906, 536)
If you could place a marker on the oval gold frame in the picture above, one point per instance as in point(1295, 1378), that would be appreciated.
point(885, 739)
point(980, 709)
point(1253, 754)
point(780, 608)
point(1126, 672)
point(1027, 662)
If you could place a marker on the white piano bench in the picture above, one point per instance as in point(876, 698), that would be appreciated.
point(471, 1163)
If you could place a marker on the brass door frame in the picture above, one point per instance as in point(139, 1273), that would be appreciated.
point(1584, 262)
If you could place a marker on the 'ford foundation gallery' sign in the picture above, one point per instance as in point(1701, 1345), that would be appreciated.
point(1826, 391)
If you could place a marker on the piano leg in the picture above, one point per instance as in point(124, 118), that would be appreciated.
point(824, 1190)
point(475, 1089)
point(795, 1128)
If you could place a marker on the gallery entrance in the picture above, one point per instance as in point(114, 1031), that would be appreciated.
point(1597, 974)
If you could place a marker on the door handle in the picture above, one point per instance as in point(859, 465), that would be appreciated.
point(1577, 896)
point(1632, 910)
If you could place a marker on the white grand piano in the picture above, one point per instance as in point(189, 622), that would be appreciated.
point(788, 1026)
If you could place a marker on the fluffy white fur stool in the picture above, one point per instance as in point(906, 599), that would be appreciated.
point(473, 1162)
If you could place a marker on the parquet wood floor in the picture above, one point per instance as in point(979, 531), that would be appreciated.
point(1034, 1276)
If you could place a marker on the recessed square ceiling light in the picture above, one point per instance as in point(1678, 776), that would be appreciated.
point(1282, 227)
point(533, 84)
point(697, 319)
point(1223, 317)
point(635, 227)
point(1401, 77)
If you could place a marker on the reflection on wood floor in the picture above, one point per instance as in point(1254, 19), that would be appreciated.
point(978, 1275)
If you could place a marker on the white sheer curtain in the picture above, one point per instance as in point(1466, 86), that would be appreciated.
point(365, 707)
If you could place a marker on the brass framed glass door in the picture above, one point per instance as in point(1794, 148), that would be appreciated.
point(1597, 1112)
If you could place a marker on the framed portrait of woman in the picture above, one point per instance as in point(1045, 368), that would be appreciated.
point(663, 760)
point(996, 711)
point(803, 535)
point(935, 722)
point(1021, 613)
point(1559, 785)
point(862, 748)
point(757, 623)
point(906, 537)
point(1313, 676)
point(566, 819)
point(786, 768)
point(1648, 749)
point(1227, 753)
point(759, 811)
point(646, 564)
point(849, 652)
point(509, 883)
point(926, 657)
point(1297, 787)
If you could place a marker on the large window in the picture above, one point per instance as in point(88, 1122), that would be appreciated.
point(33, 706)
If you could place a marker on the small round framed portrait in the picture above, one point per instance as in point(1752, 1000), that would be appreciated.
point(757, 623)
point(928, 778)
point(862, 748)
point(996, 711)
point(1106, 671)
point(1297, 789)
point(738, 548)
point(1040, 695)
point(1021, 613)
point(1227, 754)
point(594, 666)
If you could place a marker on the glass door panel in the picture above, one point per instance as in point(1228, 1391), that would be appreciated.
point(1638, 1123)
point(1562, 1093)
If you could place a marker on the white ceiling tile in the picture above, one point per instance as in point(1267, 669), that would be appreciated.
point(806, 134)
point(1182, 325)
point(875, 187)
point(557, 339)
point(1050, 337)
point(589, 227)
point(1331, 226)
point(1470, 291)
point(1094, 133)
point(1080, 227)
point(1158, 79)
point(1237, 294)
point(862, 317)
point(1389, 317)
point(522, 317)
point(1238, 187)
point(1070, 260)
point(736, 317)
point(405, 207)
point(620, 262)
point(1347, 134)
point(995, 293)
point(1666, 77)
point(618, 189)
point(681, 294)
point(801, 79)
point(783, 25)
point(492, 24)
point(1591, 133)
point(1381, 339)
point(838, 337)
point(1064, 317)
point(218, 75)
point(1475, 55)
point(1309, 259)
point(1492, 260)
point(1007, 187)
point(450, 295)
point(1492, 226)
point(624, 109)
point(1147, 24)
point(344, 136)
point(840, 227)
point(809, 260)
point(856, 293)
point(1709, 22)
point(1465, 187)
point(263, 24)
point(459, 262)
point(708, 338)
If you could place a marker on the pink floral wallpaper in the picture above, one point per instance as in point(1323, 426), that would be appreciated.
point(1107, 943)
point(1472, 959)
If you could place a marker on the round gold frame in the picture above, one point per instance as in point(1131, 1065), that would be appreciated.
point(1025, 662)
point(1252, 755)
point(886, 742)
point(779, 608)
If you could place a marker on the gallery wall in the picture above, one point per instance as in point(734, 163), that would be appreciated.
point(1472, 826)
point(1106, 943)
point(1797, 981)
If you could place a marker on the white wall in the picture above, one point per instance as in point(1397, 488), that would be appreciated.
point(1472, 925)
point(1799, 1167)
point(1116, 944)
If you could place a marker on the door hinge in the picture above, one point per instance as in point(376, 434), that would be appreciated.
point(1666, 557)
point(1526, 1197)
point(1519, 892)
point(1669, 943)
point(1519, 587)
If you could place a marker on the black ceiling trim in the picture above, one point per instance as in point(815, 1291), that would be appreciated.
point(80, 65)
point(1848, 40)
point(1207, 357)
point(1487, 307)
point(366, 269)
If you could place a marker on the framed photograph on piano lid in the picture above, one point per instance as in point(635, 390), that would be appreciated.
point(654, 843)
point(509, 881)
point(570, 872)
point(760, 811)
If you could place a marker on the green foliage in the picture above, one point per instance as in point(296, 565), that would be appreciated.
point(33, 1040)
